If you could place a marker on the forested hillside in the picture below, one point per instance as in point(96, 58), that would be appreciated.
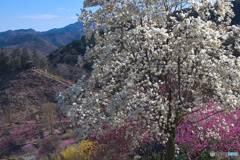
point(65, 59)
point(15, 60)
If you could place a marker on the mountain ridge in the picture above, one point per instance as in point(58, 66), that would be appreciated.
point(46, 41)
point(69, 28)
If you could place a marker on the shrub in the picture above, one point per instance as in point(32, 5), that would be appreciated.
point(81, 151)
point(48, 146)
point(69, 132)
point(28, 148)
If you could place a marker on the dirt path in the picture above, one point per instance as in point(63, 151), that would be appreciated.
point(60, 81)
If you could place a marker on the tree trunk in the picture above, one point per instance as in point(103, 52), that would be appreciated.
point(171, 147)
point(51, 125)
point(60, 120)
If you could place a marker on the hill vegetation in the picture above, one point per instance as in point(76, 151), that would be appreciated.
point(16, 59)
point(64, 60)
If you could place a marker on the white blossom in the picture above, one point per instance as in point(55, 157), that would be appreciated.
point(153, 59)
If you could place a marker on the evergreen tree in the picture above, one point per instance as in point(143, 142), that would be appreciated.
point(24, 57)
point(15, 62)
point(36, 59)
point(4, 62)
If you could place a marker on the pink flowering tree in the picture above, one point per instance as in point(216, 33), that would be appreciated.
point(219, 133)
point(154, 61)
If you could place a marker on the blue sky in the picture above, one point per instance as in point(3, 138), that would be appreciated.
point(40, 15)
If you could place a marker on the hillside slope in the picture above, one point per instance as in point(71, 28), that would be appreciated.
point(65, 59)
point(24, 92)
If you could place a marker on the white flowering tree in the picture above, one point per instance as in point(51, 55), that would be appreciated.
point(155, 61)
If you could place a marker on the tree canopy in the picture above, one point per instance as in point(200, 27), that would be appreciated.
point(157, 62)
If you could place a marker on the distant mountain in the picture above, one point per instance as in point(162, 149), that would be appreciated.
point(10, 33)
point(30, 41)
point(70, 28)
point(42, 42)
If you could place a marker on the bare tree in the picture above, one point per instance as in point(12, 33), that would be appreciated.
point(8, 115)
point(49, 113)
point(62, 69)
